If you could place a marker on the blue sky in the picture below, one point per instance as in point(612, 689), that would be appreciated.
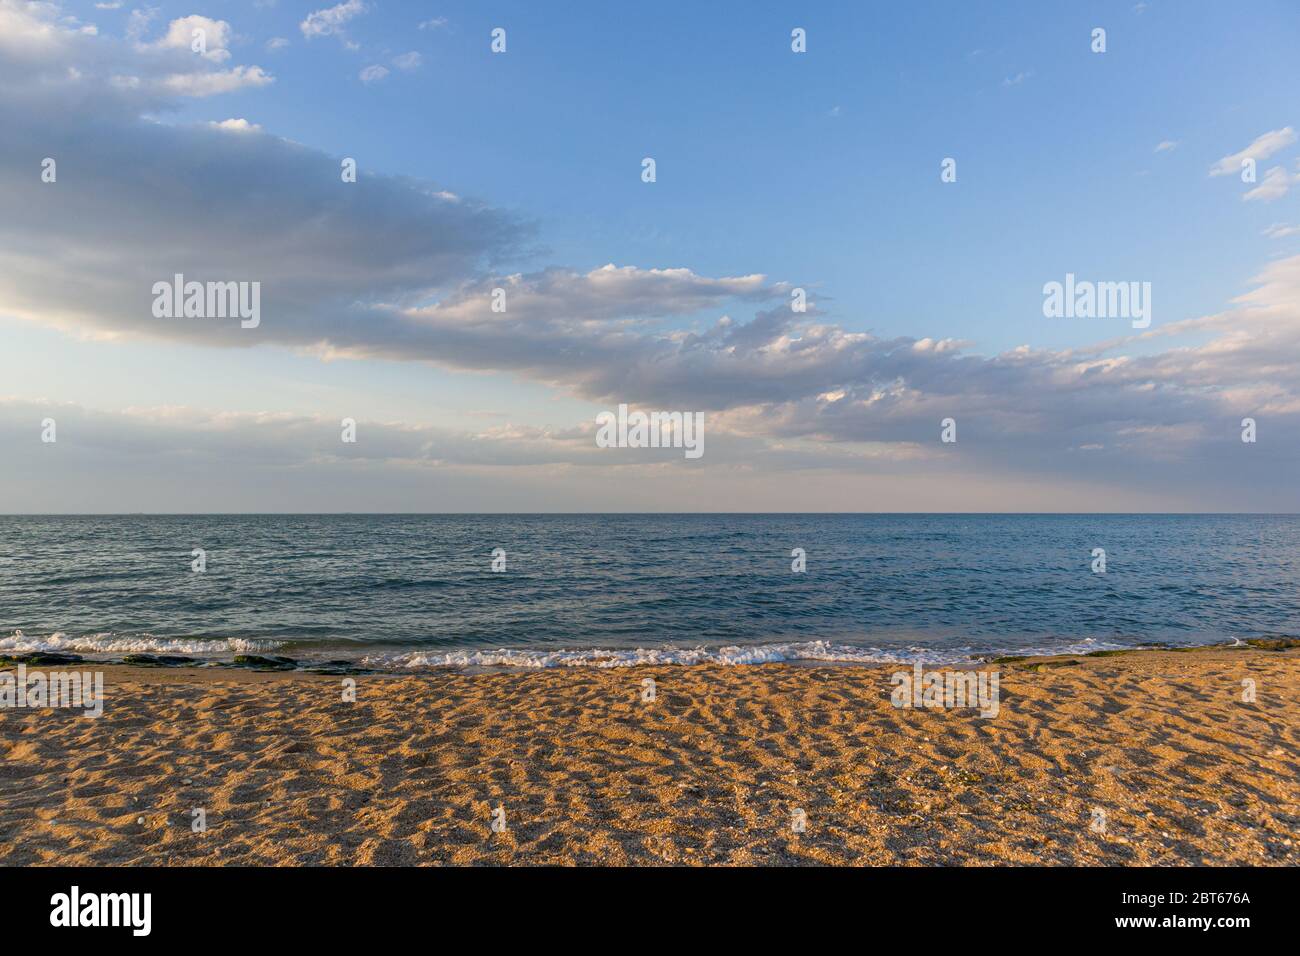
point(822, 169)
point(818, 170)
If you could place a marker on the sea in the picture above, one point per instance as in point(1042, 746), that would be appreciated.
point(398, 593)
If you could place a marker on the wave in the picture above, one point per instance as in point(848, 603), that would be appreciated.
point(820, 651)
point(107, 643)
point(110, 645)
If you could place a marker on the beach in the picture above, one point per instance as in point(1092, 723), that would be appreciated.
point(1140, 758)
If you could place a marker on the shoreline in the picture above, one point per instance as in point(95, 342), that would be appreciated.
point(1181, 768)
point(598, 658)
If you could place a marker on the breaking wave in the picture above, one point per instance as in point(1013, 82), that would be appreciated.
point(820, 651)
point(107, 643)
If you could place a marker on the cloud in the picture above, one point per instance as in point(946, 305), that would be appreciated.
point(330, 21)
point(138, 22)
point(289, 439)
point(1281, 230)
point(276, 43)
point(408, 61)
point(401, 270)
point(182, 459)
point(210, 84)
point(237, 126)
point(1263, 147)
point(153, 199)
point(212, 35)
point(1018, 78)
point(373, 73)
point(45, 64)
point(434, 24)
point(1275, 184)
point(1166, 146)
point(168, 458)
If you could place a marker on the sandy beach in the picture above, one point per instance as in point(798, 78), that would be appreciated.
point(1140, 758)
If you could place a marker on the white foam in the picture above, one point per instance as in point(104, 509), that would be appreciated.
point(731, 655)
point(107, 643)
point(773, 653)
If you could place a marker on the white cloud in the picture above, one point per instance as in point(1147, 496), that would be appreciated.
point(408, 61)
point(131, 76)
point(373, 73)
point(1275, 184)
point(1281, 230)
point(210, 84)
point(1167, 146)
point(139, 21)
point(434, 23)
point(276, 43)
point(1263, 147)
point(237, 126)
point(183, 33)
point(330, 21)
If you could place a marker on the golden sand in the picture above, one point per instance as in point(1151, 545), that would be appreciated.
point(711, 772)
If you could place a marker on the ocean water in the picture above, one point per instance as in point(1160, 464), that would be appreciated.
point(411, 591)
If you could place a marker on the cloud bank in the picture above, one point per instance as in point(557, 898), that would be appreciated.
point(406, 271)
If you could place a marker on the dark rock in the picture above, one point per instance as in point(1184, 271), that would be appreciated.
point(158, 660)
point(258, 663)
point(1280, 643)
point(41, 658)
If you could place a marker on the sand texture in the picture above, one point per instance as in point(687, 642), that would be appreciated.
point(711, 772)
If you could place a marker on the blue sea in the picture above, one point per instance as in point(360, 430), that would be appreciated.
point(400, 592)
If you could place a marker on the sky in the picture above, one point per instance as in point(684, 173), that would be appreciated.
point(522, 170)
